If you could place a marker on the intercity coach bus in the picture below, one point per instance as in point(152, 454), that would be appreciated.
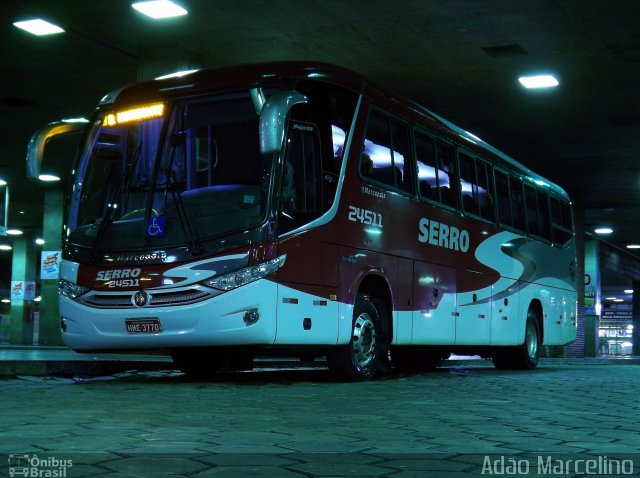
point(300, 208)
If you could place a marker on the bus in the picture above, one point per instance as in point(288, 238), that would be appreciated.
point(300, 208)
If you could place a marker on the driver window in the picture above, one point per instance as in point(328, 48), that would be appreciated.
point(301, 192)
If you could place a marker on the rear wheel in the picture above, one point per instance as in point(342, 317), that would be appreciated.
point(362, 356)
point(526, 355)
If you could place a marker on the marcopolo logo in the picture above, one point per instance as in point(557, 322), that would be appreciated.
point(442, 235)
point(38, 466)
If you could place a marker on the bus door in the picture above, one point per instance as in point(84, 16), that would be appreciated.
point(473, 312)
point(306, 314)
point(434, 302)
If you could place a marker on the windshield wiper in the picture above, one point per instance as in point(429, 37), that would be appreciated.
point(103, 223)
point(193, 244)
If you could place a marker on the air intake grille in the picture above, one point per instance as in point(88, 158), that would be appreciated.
point(158, 299)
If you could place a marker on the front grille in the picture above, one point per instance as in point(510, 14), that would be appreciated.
point(158, 299)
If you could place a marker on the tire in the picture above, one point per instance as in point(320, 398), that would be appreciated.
point(201, 363)
point(526, 355)
point(361, 358)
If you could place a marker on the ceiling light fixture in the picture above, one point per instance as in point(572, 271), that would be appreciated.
point(538, 81)
point(14, 232)
point(628, 291)
point(3, 182)
point(40, 241)
point(157, 9)
point(176, 74)
point(38, 27)
point(75, 120)
point(633, 246)
point(618, 300)
point(4, 247)
point(48, 178)
point(603, 230)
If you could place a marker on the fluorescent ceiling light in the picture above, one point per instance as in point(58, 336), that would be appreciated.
point(159, 9)
point(176, 74)
point(618, 300)
point(628, 291)
point(14, 232)
point(611, 298)
point(75, 120)
point(6, 301)
point(538, 81)
point(603, 230)
point(40, 241)
point(48, 177)
point(4, 247)
point(38, 27)
point(633, 246)
point(3, 182)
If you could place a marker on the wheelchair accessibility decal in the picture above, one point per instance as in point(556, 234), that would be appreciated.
point(156, 226)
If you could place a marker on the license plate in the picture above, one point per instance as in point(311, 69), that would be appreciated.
point(143, 326)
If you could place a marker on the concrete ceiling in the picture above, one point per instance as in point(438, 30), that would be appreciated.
point(460, 58)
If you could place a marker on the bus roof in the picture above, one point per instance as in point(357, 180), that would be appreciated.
point(205, 80)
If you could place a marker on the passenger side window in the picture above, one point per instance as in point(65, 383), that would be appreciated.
point(447, 178)
point(468, 184)
point(427, 167)
point(502, 195)
point(561, 222)
point(543, 215)
point(475, 187)
point(531, 208)
point(386, 157)
point(517, 205)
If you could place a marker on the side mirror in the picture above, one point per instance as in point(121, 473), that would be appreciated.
point(273, 116)
point(39, 139)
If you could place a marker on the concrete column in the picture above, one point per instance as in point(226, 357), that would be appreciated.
point(49, 332)
point(635, 311)
point(23, 269)
point(592, 301)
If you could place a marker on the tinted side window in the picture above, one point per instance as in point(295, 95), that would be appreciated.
point(485, 190)
point(377, 162)
point(447, 178)
point(387, 155)
point(543, 215)
point(517, 204)
point(502, 195)
point(531, 209)
point(402, 157)
point(300, 197)
point(560, 221)
point(427, 167)
point(468, 184)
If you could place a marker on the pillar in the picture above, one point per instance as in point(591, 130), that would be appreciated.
point(591, 296)
point(49, 332)
point(635, 314)
point(23, 270)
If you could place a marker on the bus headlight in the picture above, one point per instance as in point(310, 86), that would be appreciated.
point(71, 289)
point(244, 276)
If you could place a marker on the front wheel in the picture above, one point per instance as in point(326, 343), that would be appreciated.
point(361, 357)
point(526, 355)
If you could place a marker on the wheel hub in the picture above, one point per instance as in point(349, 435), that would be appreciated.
point(364, 341)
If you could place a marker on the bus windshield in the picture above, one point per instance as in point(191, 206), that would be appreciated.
point(142, 183)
